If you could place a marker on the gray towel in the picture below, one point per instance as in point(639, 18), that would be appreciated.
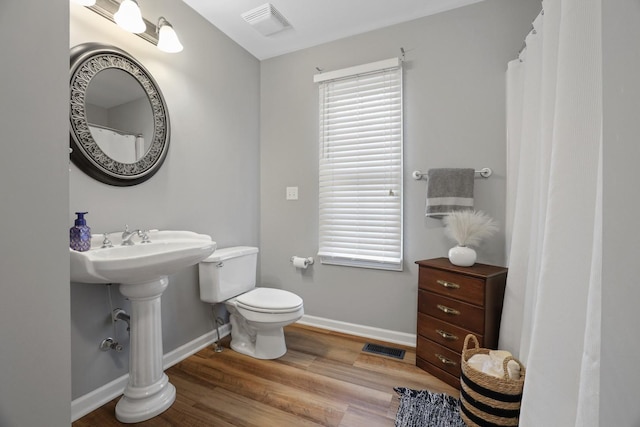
point(449, 190)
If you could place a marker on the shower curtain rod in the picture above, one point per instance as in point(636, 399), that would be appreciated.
point(484, 172)
point(119, 132)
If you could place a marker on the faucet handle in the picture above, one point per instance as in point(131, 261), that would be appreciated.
point(106, 243)
point(145, 236)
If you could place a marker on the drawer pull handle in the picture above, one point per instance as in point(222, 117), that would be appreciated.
point(445, 361)
point(448, 310)
point(446, 335)
point(448, 285)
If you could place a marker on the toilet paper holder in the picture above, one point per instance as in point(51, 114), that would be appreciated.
point(301, 262)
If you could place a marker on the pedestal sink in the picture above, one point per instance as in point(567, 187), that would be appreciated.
point(142, 270)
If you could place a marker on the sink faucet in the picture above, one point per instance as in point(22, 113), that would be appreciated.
point(128, 235)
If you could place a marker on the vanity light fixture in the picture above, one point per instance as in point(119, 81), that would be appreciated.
point(122, 14)
point(129, 17)
point(167, 38)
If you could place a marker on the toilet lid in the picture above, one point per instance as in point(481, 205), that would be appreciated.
point(269, 300)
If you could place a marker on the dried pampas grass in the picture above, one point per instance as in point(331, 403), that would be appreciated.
point(468, 227)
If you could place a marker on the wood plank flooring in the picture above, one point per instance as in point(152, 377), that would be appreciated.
point(324, 380)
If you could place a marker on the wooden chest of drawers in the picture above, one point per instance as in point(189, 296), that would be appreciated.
point(453, 302)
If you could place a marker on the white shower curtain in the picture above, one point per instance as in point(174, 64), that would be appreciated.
point(551, 315)
point(118, 146)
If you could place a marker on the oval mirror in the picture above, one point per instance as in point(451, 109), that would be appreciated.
point(119, 120)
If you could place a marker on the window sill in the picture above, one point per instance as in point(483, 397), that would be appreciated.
point(395, 265)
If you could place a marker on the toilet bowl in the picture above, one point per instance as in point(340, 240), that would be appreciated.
point(257, 314)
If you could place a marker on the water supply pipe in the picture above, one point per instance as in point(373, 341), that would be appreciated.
point(120, 314)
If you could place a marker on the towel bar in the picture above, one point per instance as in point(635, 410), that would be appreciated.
point(484, 172)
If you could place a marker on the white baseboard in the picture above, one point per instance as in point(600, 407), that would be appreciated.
point(192, 347)
point(386, 335)
point(100, 396)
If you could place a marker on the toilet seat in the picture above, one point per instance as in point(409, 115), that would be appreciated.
point(269, 300)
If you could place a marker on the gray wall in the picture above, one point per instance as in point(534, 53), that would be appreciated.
point(620, 291)
point(454, 102)
point(209, 182)
point(35, 380)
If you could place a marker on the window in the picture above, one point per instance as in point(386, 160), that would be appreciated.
point(360, 196)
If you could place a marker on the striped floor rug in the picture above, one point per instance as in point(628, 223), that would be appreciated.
point(422, 408)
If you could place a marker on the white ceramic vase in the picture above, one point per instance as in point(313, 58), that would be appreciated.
point(462, 256)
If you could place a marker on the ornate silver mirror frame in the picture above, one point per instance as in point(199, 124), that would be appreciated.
point(87, 60)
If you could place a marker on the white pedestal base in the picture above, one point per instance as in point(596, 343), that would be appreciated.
point(134, 410)
point(148, 392)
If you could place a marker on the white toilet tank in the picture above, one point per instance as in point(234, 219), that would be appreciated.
point(228, 272)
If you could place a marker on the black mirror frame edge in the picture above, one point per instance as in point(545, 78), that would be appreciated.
point(86, 61)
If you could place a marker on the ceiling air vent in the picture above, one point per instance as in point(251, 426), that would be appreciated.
point(266, 19)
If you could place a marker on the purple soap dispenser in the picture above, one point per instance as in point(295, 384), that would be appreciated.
point(80, 234)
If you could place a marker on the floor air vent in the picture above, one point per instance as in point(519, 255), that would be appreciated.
point(383, 350)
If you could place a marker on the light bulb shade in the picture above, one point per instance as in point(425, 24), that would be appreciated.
point(129, 17)
point(167, 38)
point(85, 2)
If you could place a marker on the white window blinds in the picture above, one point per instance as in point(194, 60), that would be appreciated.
point(360, 195)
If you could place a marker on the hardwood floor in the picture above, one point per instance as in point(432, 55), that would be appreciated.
point(324, 380)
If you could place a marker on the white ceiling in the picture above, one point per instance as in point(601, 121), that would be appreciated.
point(314, 22)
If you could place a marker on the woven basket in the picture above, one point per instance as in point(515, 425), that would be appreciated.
point(487, 401)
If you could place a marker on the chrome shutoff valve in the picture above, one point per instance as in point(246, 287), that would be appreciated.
point(110, 344)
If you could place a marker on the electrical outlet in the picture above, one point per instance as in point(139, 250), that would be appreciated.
point(292, 193)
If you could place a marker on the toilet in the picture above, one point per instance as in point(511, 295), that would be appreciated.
point(257, 314)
